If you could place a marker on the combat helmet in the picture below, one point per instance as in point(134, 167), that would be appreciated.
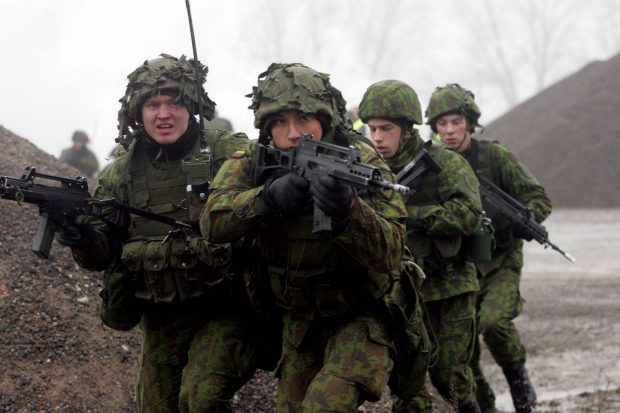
point(391, 99)
point(452, 98)
point(294, 86)
point(80, 135)
point(165, 75)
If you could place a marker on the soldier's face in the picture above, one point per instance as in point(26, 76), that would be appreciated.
point(287, 128)
point(164, 120)
point(454, 131)
point(385, 135)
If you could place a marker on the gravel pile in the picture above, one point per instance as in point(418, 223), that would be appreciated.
point(568, 137)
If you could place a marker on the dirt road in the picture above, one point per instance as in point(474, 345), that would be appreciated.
point(571, 320)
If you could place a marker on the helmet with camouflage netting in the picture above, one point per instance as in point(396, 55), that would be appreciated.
point(165, 75)
point(293, 86)
point(391, 99)
point(452, 99)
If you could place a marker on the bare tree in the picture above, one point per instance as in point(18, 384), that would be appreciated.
point(608, 26)
point(516, 44)
point(383, 36)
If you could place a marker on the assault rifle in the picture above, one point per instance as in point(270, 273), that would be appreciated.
point(315, 158)
point(497, 202)
point(411, 174)
point(59, 205)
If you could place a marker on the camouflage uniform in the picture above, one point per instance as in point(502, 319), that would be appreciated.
point(443, 211)
point(499, 300)
point(333, 287)
point(83, 159)
point(196, 351)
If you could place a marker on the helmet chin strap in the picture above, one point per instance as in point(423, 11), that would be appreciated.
point(460, 147)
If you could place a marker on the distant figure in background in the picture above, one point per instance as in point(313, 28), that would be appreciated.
point(358, 125)
point(79, 156)
point(453, 115)
point(218, 123)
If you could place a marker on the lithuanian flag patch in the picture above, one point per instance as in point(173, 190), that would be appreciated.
point(238, 154)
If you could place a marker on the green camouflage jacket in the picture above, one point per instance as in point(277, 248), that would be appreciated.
point(311, 274)
point(501, 167)
point(113, 184)
point(374, 237)
point(445, 209)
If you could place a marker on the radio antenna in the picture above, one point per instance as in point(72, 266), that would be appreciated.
point(197, 78)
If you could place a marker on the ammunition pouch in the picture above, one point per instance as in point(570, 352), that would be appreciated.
point(120, 309)
point(436, 254)
point(480, 245)
point(324, 292)
point(177, 270)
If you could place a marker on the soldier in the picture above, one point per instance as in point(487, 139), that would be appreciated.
point(442, 212)
point(219, 122)
point(195, 353)
point(332, 286)
point(79, 156)
point(453, 114)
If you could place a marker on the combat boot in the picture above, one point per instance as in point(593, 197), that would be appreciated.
point(521, 389)
point(470, 407)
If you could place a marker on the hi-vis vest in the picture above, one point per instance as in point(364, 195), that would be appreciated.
point(185, 266)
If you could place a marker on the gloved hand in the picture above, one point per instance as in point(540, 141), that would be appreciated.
point(78, 232)
point(334, 198)
point(287, 193)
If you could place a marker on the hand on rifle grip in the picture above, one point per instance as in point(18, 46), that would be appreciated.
point(334, 198)
point(287, 193)
point(78, 232)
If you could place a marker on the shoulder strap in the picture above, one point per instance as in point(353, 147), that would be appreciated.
point(473, 154)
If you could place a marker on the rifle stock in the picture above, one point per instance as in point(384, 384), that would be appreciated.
point(412, 173)
point(497, 202)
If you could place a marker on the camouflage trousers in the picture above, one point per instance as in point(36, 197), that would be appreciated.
point(336, 366)
point(454, 324)
point(191, 361)
point(498, 303)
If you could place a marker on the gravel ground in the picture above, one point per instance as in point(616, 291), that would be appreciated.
point(55, 355)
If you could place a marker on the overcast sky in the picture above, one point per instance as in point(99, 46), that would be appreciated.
point(65, 62)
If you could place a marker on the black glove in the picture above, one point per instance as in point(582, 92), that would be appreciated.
point(287, 193)
point(79, 232)
point(336, 199)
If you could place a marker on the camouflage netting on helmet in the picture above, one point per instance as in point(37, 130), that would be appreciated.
point(165, 75)
point(390, 99)
point(452, 98)
point(296, 87)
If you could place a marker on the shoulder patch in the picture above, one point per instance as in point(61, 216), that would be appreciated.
point(238, 154)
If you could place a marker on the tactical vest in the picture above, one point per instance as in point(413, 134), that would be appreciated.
point(479, 158)
point(309, 275)
point(433, 253)
point(185, 265)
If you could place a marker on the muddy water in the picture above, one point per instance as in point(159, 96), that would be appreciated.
point(571, 319)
